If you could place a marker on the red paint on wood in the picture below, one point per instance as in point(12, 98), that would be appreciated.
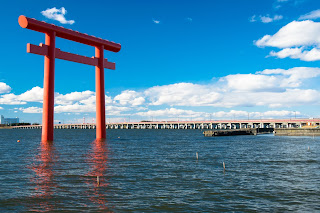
point(72, 35)
point(50, 52)
point(100, 96)
point(48, 89)
point(43, 50)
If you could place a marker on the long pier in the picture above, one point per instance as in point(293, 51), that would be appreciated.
point(210, 124)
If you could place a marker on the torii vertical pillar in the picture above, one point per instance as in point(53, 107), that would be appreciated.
point(100, 95)
point(48, 89)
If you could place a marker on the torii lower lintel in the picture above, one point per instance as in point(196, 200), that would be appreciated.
point(51, 53)
point(43, 50)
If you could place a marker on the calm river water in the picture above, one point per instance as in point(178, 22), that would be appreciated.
point(157, 171)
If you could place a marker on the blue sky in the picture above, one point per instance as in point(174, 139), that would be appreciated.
point(186, 60)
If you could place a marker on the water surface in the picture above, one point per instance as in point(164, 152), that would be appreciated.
point(157, 171)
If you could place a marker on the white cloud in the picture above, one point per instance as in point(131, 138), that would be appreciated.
point(298, 40)
point(189, 19)
point(130, 97)
point(312, 15)
point(70, 102)
point(36, 95)
point(31, 110)
point(270, 80)
point(4, 88)
point(80, 108)
point(294, 34)
point(293, 97)
point(91, 99)
point(171, 112)
point(183, 94)
point(10, 99)
point(270, 87)
point(116, 119)
point(74, 108)
point(293, 77)
point(174, 114)
point(57, 14)
point(287, 98)
point(252, 82)
point(273, 88)
point(235, 114)
point(298, 53)
point(33, 95)
point(268, 19)
point(74, 97)
point(156, 21)
point(282, 113)
point(230, 114)
point(108, 99)
point(278, 4)
point(253, 18)
point(1, 107)
point(287, 52)
point(116, 110)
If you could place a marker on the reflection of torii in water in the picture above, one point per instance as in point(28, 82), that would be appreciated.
point(98, 159)
point(51, 53)
point(44, 175)
point(45, 185)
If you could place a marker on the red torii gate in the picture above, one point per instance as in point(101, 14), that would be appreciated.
point(51, 52)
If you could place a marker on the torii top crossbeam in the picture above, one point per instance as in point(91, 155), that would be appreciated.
point(51, 53)
point(61, 32)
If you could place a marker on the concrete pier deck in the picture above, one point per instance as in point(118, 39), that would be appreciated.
point(231, 132)
point(297, 132)
point(209, 124)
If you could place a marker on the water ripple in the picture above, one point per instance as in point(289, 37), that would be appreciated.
point(157, 171)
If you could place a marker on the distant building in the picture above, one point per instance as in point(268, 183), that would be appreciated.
point(8, 121)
